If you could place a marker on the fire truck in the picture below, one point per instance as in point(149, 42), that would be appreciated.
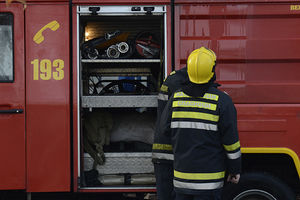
point(79, 81)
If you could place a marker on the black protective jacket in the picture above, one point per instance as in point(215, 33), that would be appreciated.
point(205, 141)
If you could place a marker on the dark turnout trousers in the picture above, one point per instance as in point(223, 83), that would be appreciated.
point(164, 181)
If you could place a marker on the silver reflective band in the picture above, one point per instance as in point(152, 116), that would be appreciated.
point(198, 186)
point(163, 156)
point(234, 155)
point(194, 125)
point(163, 97)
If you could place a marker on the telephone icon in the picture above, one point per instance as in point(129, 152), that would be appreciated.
point(38, 37)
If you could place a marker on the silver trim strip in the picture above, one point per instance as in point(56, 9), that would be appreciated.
point(194, 125)
point(198, 186)
point(123, 155)
point(116, 188)
point(235, 155)
point(163, 156)
point(121, 10)
point(117, 101)
point(121, 61)
point(163, 97)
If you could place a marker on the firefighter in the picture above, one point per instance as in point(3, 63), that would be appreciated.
point(162, 155)
point(201, 121)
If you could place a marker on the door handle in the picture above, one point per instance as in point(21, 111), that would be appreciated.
point(11, 111)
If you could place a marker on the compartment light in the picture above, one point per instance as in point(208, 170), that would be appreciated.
point(86, 35)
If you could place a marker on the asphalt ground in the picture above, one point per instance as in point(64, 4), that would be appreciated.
point(19, 195)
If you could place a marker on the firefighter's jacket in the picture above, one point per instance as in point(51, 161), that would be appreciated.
point(162, 148)
point(204, 138)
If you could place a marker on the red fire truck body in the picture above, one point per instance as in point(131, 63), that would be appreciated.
point(46, 97)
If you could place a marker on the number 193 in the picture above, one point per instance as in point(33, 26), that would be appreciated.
point(45, 69)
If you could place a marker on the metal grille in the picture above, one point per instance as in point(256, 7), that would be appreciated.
point(122, 163)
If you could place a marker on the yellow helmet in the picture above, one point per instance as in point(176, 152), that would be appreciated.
point(200, 65)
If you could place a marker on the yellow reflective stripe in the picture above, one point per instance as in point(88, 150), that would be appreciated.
point(164, 88)
point(195, 104)
point(173, 72)
point(180, 94)
point(206, 96)
point(199, 176)
point(195, 115)
point(167, 147)
point(211, 96)
point(275, 150)
point(232, 147)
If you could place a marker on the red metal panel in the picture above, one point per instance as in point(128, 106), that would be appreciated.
point(258, 56)
point(257, 45)
point(233, 1)
point(47, 88)
point(12, 96)
point(46, 1)
point(169, 41)
point(269, 125)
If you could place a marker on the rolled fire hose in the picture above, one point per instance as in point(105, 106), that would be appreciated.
point(113, 52)
point(123, 47)
point(142, 179)
point(112, 179)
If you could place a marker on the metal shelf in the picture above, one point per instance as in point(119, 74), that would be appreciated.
point(120, 61)
point(117, 163)
point(118, 101)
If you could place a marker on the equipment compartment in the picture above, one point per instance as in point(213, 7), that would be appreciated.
point(121, 65)
point(117, 143)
